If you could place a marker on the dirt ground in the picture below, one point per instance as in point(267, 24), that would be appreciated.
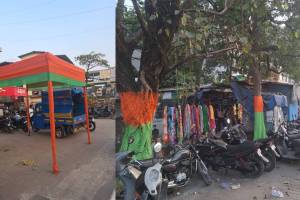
point(86, 171)
point(286, 178)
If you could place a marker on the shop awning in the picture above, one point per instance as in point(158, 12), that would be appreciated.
point(45, 71)
point(35, 72)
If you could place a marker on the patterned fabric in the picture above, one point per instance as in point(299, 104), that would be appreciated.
point(187, 121)
point(171, 125)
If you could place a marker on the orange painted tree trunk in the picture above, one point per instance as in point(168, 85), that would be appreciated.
point(138, 109)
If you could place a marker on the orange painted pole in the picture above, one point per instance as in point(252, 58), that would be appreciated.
point(52, 126)
point(86, 110)
point(27, 110)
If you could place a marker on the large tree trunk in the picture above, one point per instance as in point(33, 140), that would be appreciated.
point(259, 122)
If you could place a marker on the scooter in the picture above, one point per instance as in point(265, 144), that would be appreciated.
point(288, 145)
point(144, 179)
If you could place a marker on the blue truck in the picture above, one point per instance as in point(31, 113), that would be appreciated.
point(68, 109)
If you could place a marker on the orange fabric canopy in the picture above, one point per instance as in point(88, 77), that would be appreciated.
point(48, 66)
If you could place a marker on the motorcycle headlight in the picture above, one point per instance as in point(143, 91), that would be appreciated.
point(93, 119)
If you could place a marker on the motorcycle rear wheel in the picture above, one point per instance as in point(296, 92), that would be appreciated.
point(272, 160)
point(257, 166)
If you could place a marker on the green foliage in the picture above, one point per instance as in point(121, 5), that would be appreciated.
point(92, 60)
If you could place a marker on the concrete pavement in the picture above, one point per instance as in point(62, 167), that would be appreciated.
point(86, 171)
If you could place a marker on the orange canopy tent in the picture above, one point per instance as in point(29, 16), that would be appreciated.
point(45, 71)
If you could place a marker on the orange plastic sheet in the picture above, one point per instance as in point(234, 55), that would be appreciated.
point(258, 104)
point(138, 108)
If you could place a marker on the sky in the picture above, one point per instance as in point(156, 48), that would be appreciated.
point(70, 27)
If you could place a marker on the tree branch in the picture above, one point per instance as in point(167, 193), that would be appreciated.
point(213, 12)
point(140, 16)
point(197, 56)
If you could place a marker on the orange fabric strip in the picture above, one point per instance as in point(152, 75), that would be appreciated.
point(258, 104)
point(138, 108)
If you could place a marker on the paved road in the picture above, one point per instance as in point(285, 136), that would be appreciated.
point(86, 171)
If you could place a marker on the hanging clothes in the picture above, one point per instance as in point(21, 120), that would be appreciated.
point(171, 125)
point(278, 117)
point(205, 119)
point(212, 123)
point(165, 126)
point(197, 121)
point(240, 112)
point(200, 120)
point(180, 131)
point(187, 121)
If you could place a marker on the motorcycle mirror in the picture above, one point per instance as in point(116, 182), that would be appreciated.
point(228, 121)
point(157, 147)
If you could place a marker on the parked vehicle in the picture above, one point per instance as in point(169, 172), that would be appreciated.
point(143, 178)
point(288, 145)
point(236, 135)
point(5, 124)
point(69, 112)
point(101, 112)
point(246, 157)
point(182, 165)
point(19, 121)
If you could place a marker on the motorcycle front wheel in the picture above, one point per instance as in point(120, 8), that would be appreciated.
point(203, 172)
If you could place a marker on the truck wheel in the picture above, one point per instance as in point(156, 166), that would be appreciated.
point(60, 132)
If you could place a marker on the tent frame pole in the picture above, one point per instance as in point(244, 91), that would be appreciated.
point(27, 110)
point(52, 127)
point(86, 110)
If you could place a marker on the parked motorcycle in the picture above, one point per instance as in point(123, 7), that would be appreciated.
point(245, 157)
point(288, 145)
point(19, 122)
point(142, 178)
point(5, 124)
point(236, 135)
point(182, 165)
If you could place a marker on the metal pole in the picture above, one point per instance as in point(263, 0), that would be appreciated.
point(86, 109)
point(52, 126)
